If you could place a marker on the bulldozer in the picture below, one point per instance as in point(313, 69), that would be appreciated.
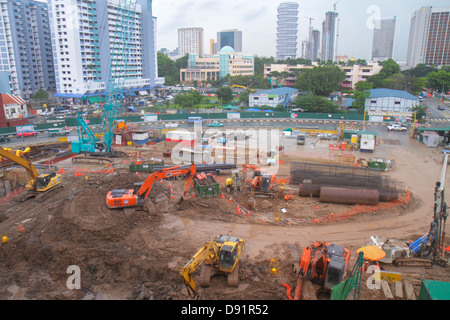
point(39, 186)
point(220, 256)
point(321, 263)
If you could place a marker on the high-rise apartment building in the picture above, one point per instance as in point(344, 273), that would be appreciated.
point(82, 41)
point(383, 39)
point(429, 40)
point(287, 30)
point(329, 36)
point(190, 40)
point(231, 38)
point(26, 62)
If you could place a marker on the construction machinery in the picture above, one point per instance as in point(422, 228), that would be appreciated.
point(222, 255)
point(124, 198)
point(322, 263)
point(433, 242)
point(39, 185)
point(99, 143)
point(262, 183)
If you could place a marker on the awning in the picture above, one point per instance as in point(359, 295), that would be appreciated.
point(131, 93)
point(143, 92)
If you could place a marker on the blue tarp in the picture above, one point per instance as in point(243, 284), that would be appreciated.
point(253, 110)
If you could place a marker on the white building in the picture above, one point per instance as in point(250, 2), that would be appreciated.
point(428, 37)
point(190, 40)
point(82, 41)
point(273, 97)
point(389, 102)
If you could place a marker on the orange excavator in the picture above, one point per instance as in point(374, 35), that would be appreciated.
point(124, 198)
point(262, 183)
point(322, 263)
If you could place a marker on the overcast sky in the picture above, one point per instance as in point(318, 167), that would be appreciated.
point(257, 19)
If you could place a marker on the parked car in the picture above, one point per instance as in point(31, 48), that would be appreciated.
point(4, 139)
point(397, 127)
point(26, 134)
point(441, 107)
point(215, 124)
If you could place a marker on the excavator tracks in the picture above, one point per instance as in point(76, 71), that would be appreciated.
point(413, 262)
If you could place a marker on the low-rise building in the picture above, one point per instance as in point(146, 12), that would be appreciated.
point(273, 97)
point(388, 102)
point(354, 73)
point(214, 67)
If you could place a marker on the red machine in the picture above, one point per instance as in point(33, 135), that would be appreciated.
point(322, 263)
point(123, 198)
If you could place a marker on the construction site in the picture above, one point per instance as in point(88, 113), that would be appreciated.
point(120, 212)
point(139, 226)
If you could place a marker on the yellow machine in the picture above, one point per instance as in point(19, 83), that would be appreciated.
point(38, 184)
point(221, 255)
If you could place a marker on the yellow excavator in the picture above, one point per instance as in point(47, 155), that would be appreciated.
point(39, 185)
point(221, 255)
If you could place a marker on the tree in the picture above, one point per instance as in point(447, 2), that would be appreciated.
point(438, 80)
point(321, 80)
point(189, 99)
point(312, 103)
point(243, 97)
point(168, 69)
point(360, 94)
point(390, 67)
point(225, 94)
point(40, 95)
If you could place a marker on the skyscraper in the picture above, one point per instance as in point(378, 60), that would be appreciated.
point(383, 39)
point(26, 62)
point(287, 30)
point(329, 36)
point(82, 40)
point(190, 40)
point(429, 41)
point(231, 38)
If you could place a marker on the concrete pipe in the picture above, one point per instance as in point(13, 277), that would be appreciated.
point(309, 190)
point(349, 196)
point(388, 195)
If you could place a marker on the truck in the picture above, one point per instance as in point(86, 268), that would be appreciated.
point(58, 132)
point(396, 127)
point(301, 138)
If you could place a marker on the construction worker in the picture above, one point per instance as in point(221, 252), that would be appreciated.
point(229, 183)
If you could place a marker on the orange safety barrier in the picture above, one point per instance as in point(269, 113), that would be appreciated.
point(333, 217)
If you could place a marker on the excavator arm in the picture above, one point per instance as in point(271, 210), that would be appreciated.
point(146, 187)
point(22, 162)
point(209, 252)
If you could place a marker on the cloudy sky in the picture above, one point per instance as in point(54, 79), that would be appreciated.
point(257, 19)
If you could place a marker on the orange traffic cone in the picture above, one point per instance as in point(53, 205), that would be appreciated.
point(230, 200)
point(223, 196)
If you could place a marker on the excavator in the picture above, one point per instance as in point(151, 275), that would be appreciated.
point(322, 263)
point(39, 185)
point(221, 255)
point(262, 183)
point(124, 198)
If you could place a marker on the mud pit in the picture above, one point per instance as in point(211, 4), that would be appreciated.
point(134, 254)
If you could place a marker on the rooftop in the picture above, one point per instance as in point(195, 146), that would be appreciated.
point(383, 93)
point(278, 91)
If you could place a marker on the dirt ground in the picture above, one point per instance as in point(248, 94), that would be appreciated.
point(134, 254)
